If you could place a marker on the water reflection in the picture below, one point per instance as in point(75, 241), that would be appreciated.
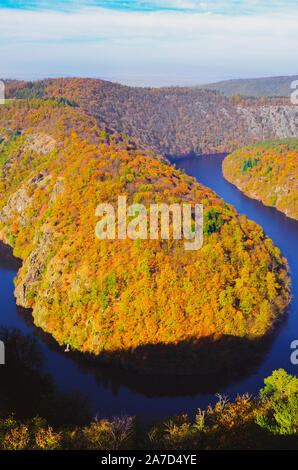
point(28, 390)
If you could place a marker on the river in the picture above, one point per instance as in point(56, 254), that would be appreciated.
point(109, 391)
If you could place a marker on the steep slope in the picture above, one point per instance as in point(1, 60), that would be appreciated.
point(268, 172)
point(124, 300)
point(171, 121)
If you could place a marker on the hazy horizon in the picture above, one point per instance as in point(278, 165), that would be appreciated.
point(135, 83)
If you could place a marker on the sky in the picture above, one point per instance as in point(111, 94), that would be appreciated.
point(149, 43)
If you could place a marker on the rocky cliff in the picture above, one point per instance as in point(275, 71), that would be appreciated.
point(266, 122)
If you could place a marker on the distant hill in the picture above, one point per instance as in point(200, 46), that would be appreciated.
point(256, 87)
point(170, 121)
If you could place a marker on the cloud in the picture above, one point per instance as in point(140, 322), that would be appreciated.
point(156, 46)
point(98, 23)
point(228, 7)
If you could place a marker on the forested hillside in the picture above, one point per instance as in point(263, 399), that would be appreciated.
point(171, 121)
point(125, 300)
point(268, 172)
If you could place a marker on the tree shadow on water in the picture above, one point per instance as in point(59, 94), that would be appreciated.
point(7, 259)
point(189, 368)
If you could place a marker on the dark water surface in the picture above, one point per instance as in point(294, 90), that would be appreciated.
point(112, 392)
